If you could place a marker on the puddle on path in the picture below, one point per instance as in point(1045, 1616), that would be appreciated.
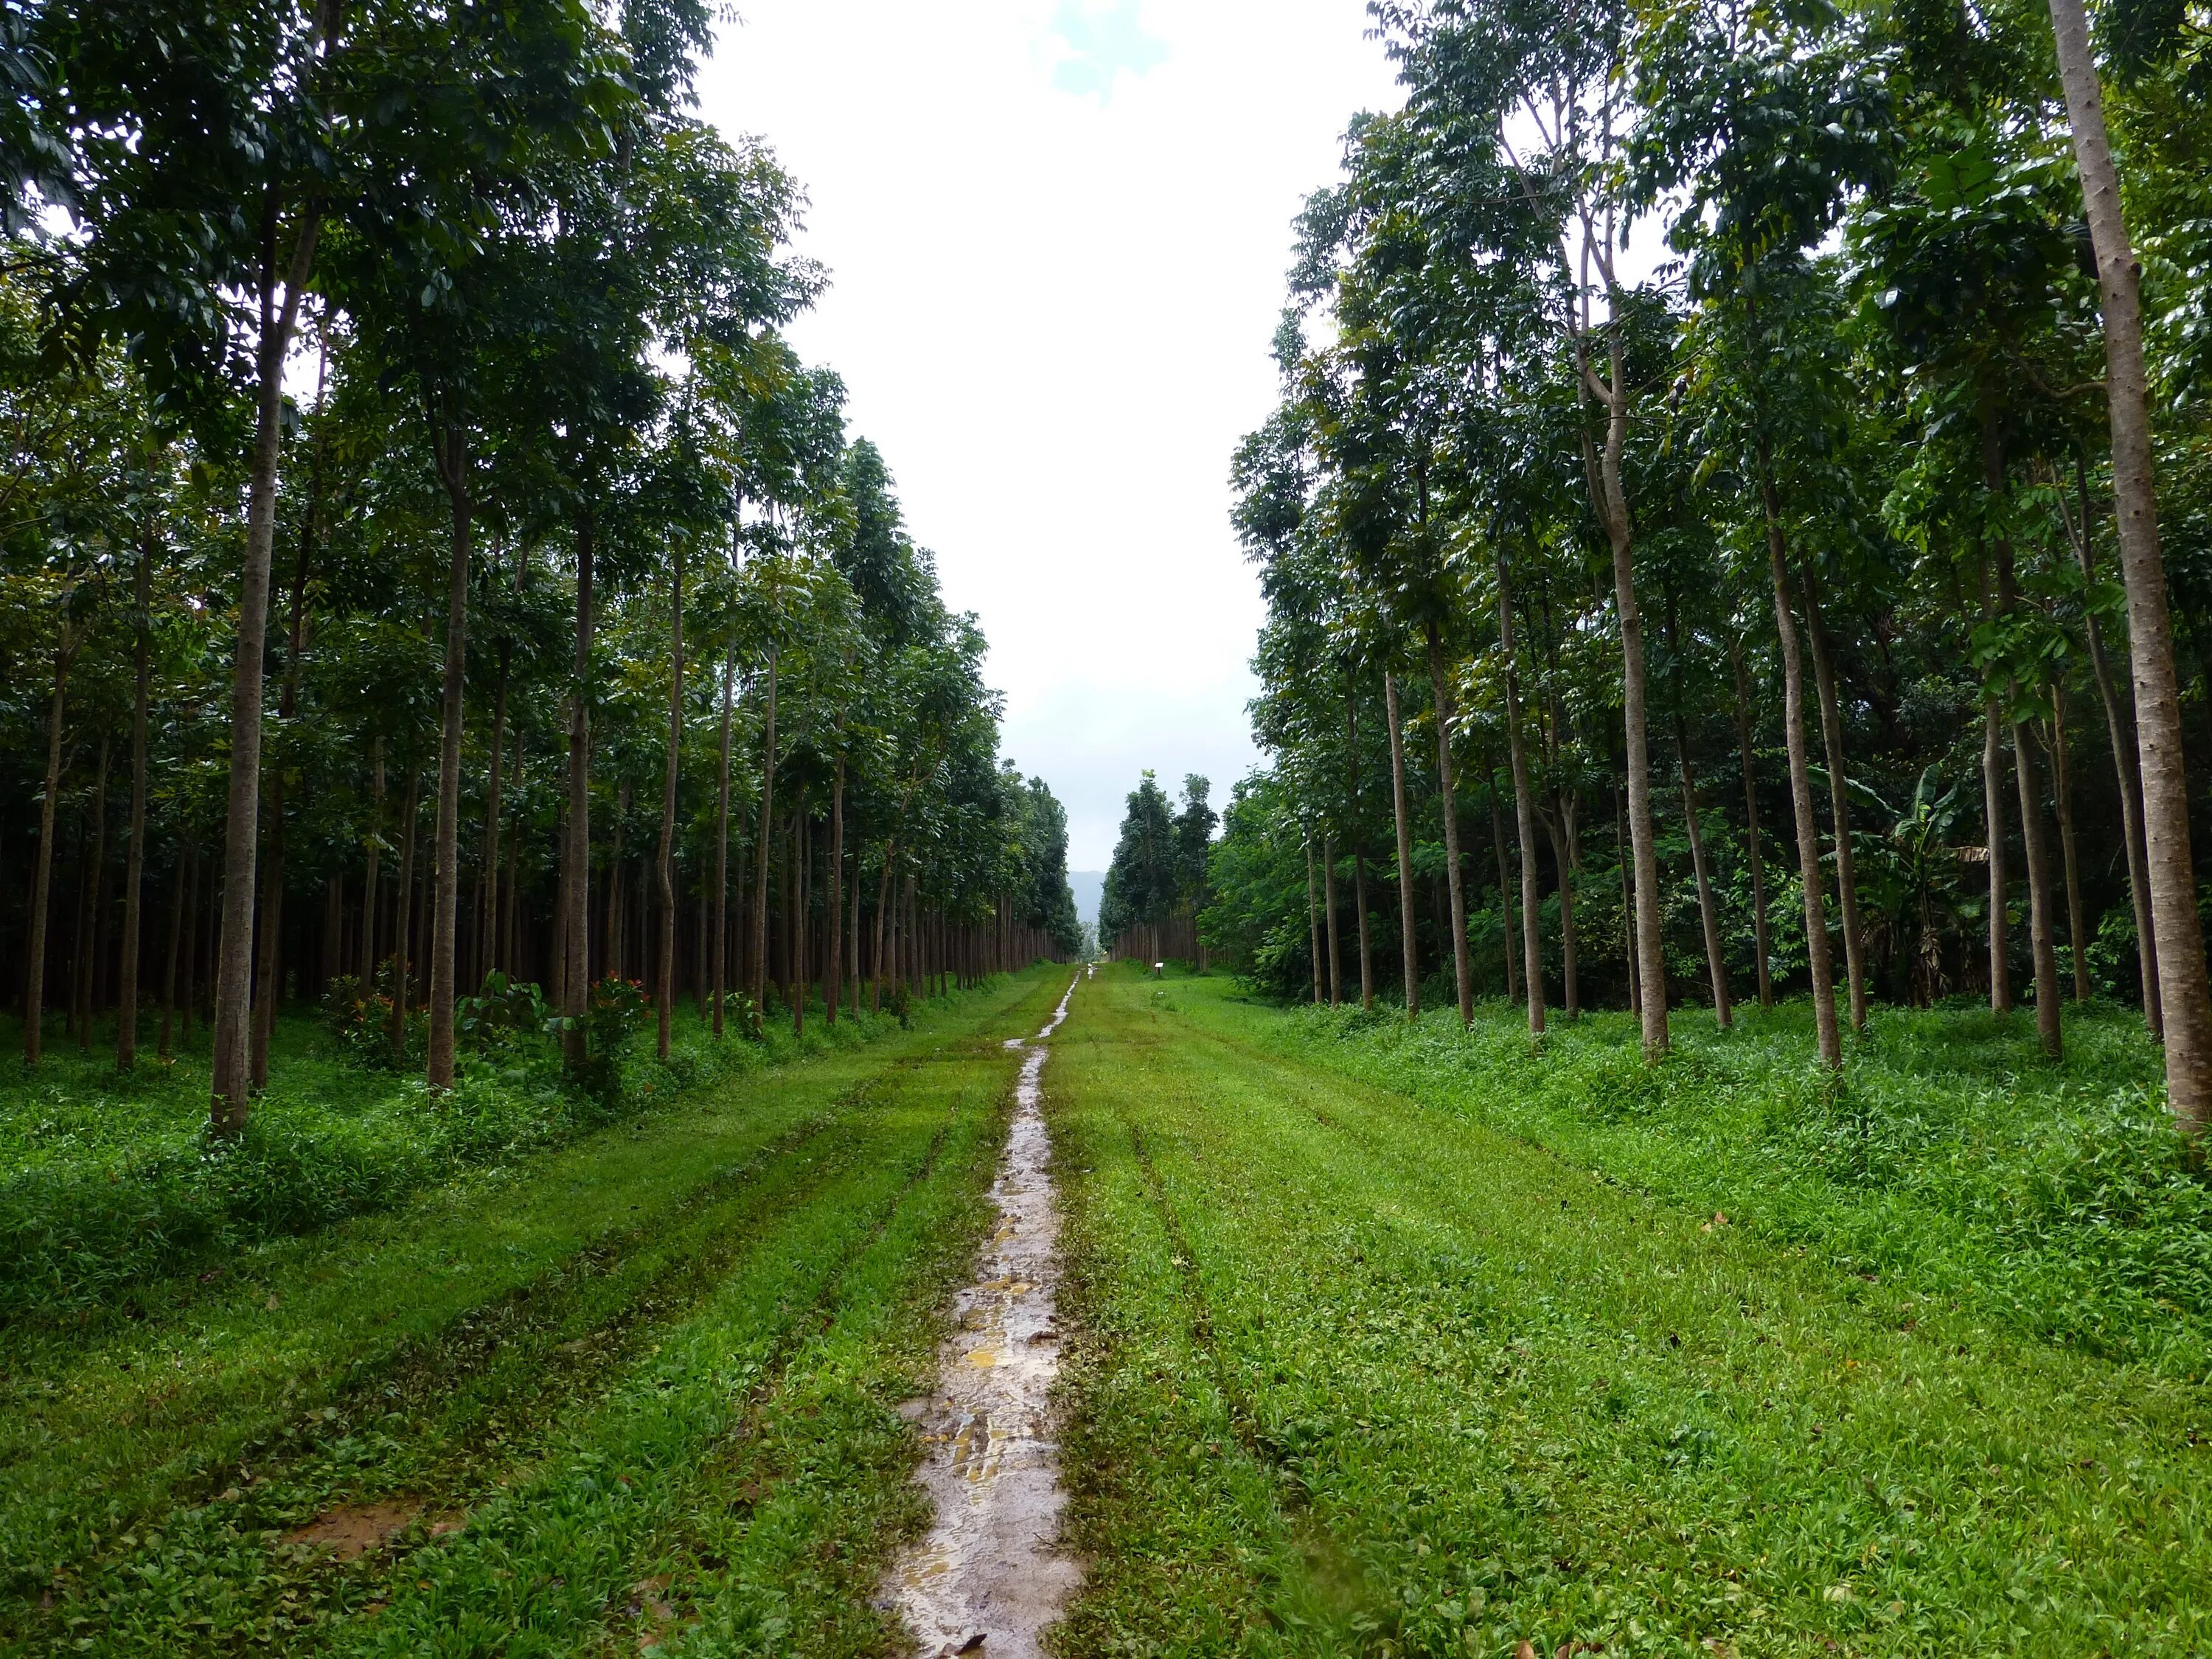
point(989, 1577)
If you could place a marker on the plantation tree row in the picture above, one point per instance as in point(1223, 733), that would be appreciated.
point(428, 570)
point(1711, 530)
point(1157, 886)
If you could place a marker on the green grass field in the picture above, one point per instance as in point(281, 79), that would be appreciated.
point(1369, 1374)
point(1383, 1343)
point(652, 1373)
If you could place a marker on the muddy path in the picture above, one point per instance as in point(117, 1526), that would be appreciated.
point(990, 1576)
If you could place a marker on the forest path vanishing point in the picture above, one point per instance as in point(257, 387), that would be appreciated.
point(990, 1573)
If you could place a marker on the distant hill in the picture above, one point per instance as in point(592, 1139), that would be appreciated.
point(1090, 886)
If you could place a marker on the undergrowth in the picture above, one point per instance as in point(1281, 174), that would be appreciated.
point(109, 1180)
point(1950, 1153)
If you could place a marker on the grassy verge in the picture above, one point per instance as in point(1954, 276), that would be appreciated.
point(107, 1179)
point(637, 1390)
point(1952, 1159)
point(1361, 1376)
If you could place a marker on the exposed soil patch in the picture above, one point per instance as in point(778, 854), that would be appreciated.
point(990, 1576)
point(351, 1533)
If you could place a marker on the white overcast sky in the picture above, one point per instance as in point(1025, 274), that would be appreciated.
point(1057, 232)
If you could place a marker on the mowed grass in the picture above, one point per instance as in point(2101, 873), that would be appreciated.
point(638, 1392)
point(1359, 1375)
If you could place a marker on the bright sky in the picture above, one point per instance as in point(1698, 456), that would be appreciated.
point(1057, 232)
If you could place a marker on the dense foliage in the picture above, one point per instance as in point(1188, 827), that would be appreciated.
point(1707, 452)
point(428, 570)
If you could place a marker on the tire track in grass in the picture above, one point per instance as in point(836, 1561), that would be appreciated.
point(1537, 1407)
point(218, 1577)
point(546, 1568)
point(213, 1561)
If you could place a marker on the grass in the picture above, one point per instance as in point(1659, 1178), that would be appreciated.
point(651, 1376)
point(1362, 1373)
point(108, 1180)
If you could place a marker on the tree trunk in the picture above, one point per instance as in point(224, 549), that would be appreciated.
point(1507, 899)
point(2120, 728)
point(2047, 1029)
point(489, 883)
point(1993, 815)
point(1756, 858)
point(230, 1088)
point(369, 892)
point(1831, 736)
point(2063, 791)
point(665, 863)
point(2182, 991)
point(1650, 947)
point(721, 970)
point(1621, 862)
point(91, 885)
point(42, 872)
point(267, 986)
point(1558, 826)
point(1313, 929)
point(402, 944)
point(451, 448)
point(1801, 777)
point(757, 963)
point(1358, 851)
point(134, 873)
point(177, 894)
point(1524, 808)
point(1412, 967)
point(833, 971)
point(1462, 966)
point(1335, 948)
point(575, 930)
point(1708, 912)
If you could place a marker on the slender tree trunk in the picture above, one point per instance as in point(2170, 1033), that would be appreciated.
point(1621, 861)
point(1524, 807)
point(453, 461)
point(2063, 791)
point(1335, 948)
point(1831, 736)
point(1359, 850)
point(575, 930)
point(1650, 947)
point(2186, 1009)
point(42, 872)
point(369, 898)
point(134, 873)
point(1313, 929)
point(230, 1090)
point(833, 972)
point(2047, 1027)
point(758, 964)
point(488, 921)
point(1508, 898)
point(267, 984)
point(665, 863)
point(1709, 914)
point(1413, 966)
point(402, 944)
point(92, 886)
point(721, 970)
point(1801, 778)
point(1755, 857)
point(178, 885)
point(1559, 825)
point(1462, 965)
point(1993, 814)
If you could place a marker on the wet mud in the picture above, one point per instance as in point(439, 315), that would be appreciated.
point(990, 1576)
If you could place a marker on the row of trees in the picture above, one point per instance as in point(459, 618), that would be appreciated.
point(419, 369)
point(1838, 525)
point(1156, 884)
